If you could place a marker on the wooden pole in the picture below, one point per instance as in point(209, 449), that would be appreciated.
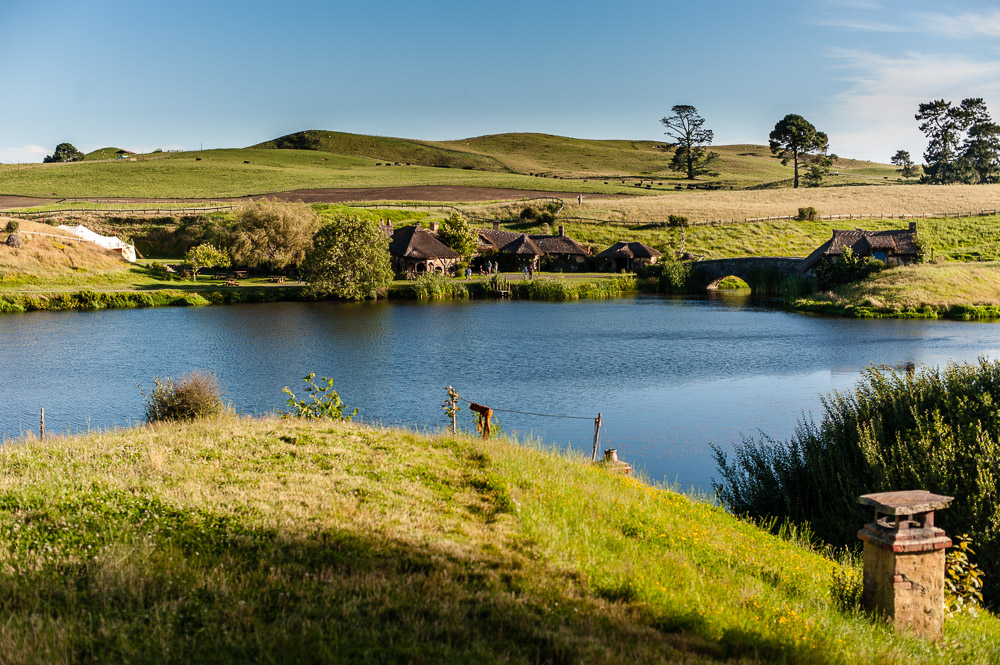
point(597, 436)
point(42, 428)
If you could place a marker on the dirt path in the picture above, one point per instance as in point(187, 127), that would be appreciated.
point(433, 193)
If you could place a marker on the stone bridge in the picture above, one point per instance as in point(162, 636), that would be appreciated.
point(769, 270)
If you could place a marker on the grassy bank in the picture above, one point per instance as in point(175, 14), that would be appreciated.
point(239, 540)
point(542, 287)
point(965, 291)
point(428, 288)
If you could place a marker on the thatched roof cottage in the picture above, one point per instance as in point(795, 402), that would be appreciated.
point(415, 250)
point(895, 247)
point(629, 256)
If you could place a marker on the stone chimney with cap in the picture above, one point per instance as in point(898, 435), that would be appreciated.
point(434, 227)
point(904, 561)
point(913, 228)
point(496, 226)
point(562, 231)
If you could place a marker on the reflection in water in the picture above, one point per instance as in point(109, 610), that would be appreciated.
point(670, 375)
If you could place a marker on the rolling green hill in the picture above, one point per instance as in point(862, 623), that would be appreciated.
point(546, 154)
point(105, 153)
point(322, 159)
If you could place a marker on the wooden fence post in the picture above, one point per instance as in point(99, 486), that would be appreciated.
point(41, 429)
point(597, 436)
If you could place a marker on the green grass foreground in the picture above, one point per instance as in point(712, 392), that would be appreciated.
point(264, 540)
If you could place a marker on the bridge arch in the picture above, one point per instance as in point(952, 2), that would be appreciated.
point(751, 269)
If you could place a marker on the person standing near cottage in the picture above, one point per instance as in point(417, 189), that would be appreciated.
point(579, 199)
point(524, 271)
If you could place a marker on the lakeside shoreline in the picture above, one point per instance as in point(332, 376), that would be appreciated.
point(540, 288)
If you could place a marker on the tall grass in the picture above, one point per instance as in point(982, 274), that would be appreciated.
point(937, 430)
point(235, 540)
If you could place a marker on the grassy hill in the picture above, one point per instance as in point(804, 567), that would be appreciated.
point(525, 153)
point(239, 540)
point(105, 153)
point(62, 260)
point(323, 159)
point(249, 171)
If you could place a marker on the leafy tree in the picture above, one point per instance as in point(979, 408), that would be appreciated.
point(457, 233)
point(64, 152)
point(686, 128)
point(907, 168)
point(793, 138)
point(943, 125)
point(273, 233)
point(349, 259)
point(203, 256)
point(981, 149)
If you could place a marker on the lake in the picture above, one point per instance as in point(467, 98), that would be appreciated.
point(670, 375)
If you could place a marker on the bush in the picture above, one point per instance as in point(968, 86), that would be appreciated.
point(13, 226)
point(831, 272)
point(529, 213)
point(197, 395)
point(324, 401)
point(938, 429)
point(806, 214)
point(666, 276)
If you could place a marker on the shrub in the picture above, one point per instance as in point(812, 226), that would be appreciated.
point(963, 579)
point(529, 213)
point(324, 401)
point(937, 429)
point(850, 267)
point(806, 214)
point(666, 276)
point(12, 226)
point(196, 395)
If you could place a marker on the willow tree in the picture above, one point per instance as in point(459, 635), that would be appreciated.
point(273, 233)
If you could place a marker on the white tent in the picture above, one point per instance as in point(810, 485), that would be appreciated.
point(107, 242)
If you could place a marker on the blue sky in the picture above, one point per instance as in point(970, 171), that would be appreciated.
point(185, 74)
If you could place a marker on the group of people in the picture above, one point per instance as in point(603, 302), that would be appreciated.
point(493, 268)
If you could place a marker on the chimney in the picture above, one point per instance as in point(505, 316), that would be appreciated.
point(562, 230)
point(904, 561)
point(913, 228)
point(434, 227)
point(496, 226)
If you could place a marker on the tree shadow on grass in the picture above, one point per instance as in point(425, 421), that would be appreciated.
point(128, 579)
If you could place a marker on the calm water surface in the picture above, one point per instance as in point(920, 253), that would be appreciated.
point(671, 376)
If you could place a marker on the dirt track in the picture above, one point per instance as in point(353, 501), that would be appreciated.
point(435, 193)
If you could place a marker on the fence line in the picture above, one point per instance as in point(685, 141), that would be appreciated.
point(98, 211)
point(482, 218)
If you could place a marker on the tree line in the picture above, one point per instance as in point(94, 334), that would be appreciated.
point(963, 145)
